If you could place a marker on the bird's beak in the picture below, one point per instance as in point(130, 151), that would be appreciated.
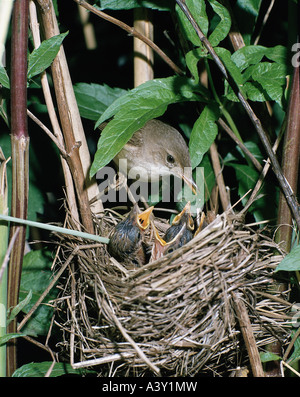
point(186, 210)
point(190, 183)
point(159, 239)
point(187, 179)
point(143, 219)
point(159, 245)
point(200, 224)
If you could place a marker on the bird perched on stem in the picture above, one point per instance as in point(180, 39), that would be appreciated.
point(126, 242)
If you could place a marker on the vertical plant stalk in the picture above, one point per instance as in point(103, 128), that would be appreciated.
point(290, 168)
point(290, 160)
point(219, 176)
point(143, 54)
point(69, 184)
point(20, 160)
point(248, 336)
point(88, 29)
point(76, 147)
point(3, 272)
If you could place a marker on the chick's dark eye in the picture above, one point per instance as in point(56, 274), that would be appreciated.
point(170, 159)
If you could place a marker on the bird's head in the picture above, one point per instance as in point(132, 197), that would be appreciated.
point(168, 151)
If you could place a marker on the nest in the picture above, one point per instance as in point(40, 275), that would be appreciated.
point(177, 316)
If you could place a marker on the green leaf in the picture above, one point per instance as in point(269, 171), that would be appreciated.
point(3, 111)
point(277, 54)
point(291, 262)
point(4, 79)
point(4, 339)
point(255, 93)
point(132, 110)
point(295, 356)
point(209, 176)
point(42, 57)
point(192, 58)
point(253, 54)
point(222, 29)
point(163, 5)
point(261, 81)
point(246, 176)
point(252, 6)
point(246, 13)
point(203, 133)
point(248, 55)
point(34, 370)
point(230, 65)
point(20, 306)
point(254, 149)
point(272, 77)
point(167, 90)
point(198, 10)
point(94, 99)
point(36, 276)
point(268, 356)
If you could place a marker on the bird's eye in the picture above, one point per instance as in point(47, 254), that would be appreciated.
point(170, 159)
point(169, 250)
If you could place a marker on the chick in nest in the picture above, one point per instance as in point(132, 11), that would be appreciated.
point(126, 242)
point(178, 234)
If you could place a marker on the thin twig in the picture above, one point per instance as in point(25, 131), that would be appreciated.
point(103, 360)
point(266, 17)
point(291, 368)
point(285, 186)
point(40, 345)
point(262, 175)
point(291, 344)
point(240, 144)
point(72, 309)
point(48, 132)
point(88, 29)
point(132, 32)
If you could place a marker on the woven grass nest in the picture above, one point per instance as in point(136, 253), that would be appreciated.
point(177, 316)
